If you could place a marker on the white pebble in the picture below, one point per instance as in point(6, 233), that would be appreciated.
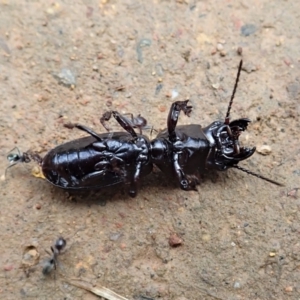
point(264, 149)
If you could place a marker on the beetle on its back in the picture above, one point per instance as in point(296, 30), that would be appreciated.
point(101, 160)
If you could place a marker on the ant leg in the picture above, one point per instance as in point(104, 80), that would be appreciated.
point(85, 129)
point(173, 117)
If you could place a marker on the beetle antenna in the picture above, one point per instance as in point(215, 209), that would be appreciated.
point(227, 118)
point(257, 175)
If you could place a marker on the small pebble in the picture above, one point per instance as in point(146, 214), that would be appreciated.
point(239, 50)
point(162, 108)
point(293, 193)
point(66, 78)
point(115, 236)
point(220, 47)
point(95, 68)
point(159, 69)
point(293, 89)
point(264, 149)
point(289, 289)
point(8, 267)
point(30, 256)
point(38, 206)
point(141, 44)
point(272, 254)
point(249, 67)
point(174, 240)
point(216, 86)
point(206, 237)
point(174, 94)
point(248, 29)
point(213, 52)
point(123, 246)
point(158, 88)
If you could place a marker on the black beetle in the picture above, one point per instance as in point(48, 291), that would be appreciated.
point(101, 160)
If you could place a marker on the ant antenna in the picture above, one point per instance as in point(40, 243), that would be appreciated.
point(227, 118)
point(257, 175)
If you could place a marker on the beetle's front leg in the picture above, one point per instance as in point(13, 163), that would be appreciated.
point(234, 140)
point(174, 112)
point(186, 182)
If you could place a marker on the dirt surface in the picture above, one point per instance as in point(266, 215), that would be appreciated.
point(69, 61)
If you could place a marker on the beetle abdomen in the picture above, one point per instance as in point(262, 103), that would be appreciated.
point(72, 166)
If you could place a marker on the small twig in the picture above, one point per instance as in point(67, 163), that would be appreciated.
point(99, 291)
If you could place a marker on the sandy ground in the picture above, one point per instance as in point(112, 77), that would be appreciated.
point(69, 61)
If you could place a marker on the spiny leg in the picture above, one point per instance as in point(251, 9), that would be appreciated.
point(85, 129)
point(137, 122)
point(105, 118)
point(174, 115)
point(183, 179)
point(123, 121)
point(135, 180)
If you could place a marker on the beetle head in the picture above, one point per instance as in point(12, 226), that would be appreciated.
point(228, 151)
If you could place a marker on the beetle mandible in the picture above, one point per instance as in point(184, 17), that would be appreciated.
point(106, 159)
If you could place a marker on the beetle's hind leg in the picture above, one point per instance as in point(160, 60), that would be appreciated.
point(85, 129)
point(173, 116)
point(123, 121)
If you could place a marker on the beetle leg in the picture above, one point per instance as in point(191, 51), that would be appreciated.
point(135, 179)
point(236, 145)
point(183, 179)
point(102, 165)
point(175, 109)
point(137, 122)
point(123, 121)
point(106, 117)
point(91, 175)
point(85, 129)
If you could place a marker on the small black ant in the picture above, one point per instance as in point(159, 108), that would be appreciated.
point(15, 158)
point(56, 250)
